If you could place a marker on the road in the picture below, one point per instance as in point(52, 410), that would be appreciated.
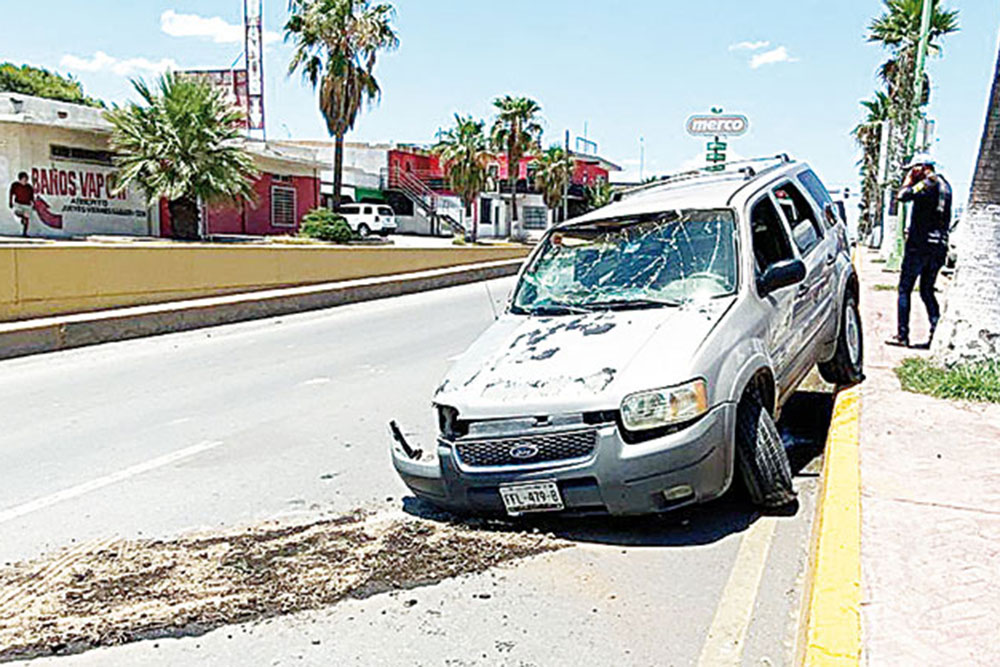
point(285, 418)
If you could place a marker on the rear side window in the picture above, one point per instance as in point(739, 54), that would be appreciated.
point(806, 231)
point(350, 210)
point(384, 210)
point(368, 210)
point(810, 181)
point(770, 241)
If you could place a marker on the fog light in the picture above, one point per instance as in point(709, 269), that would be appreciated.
point(678, 493)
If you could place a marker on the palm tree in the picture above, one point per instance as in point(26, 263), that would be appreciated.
point(554, 172)
point(599, 195)
point(183, 145)
point(898, 30)
point(464, 153)
point(336, 46)
point(517, 132)
point(868, 135)
point(970, 329)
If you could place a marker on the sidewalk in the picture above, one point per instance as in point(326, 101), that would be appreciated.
point(930, 507)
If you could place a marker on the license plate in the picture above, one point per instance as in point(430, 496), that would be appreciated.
point(532, 497)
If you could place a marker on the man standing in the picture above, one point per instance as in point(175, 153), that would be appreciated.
point(21, 199)
point(926, 241)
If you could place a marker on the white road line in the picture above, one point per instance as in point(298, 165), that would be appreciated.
point(107, 480)
point(724, 645)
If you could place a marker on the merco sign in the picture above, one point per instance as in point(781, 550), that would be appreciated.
point(718, 126)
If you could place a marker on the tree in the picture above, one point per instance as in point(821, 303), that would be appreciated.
point(599, 195)
point(336, 46)
point(517, 132)
point(183, 144)
point(898, 30)
point(554, 172)
point(970, 329)
point(868, 135)
point(39, 82)
point(465, 156)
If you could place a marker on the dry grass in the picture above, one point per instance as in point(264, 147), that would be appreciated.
point(112, 593)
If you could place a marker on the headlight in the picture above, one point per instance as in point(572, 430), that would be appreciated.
point(663, 407)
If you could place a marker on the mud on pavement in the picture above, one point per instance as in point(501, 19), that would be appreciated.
point(115, 592)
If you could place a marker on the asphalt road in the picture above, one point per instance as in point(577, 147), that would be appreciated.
point(286, 418)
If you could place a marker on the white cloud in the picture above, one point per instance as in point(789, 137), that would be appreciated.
point(749, 46)
point(215, 28)
point(774, 56)
point(102, 62)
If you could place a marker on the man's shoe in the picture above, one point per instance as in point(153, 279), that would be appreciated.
point(898, 341)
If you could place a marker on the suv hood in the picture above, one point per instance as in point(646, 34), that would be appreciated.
point(534, 366)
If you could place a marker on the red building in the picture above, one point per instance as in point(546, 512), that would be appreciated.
point(288, 187)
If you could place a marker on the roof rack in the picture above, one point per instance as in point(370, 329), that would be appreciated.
point(747, 172)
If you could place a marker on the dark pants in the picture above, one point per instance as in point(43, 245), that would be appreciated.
point(922, 263)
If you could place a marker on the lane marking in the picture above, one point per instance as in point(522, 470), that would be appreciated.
point(726, 635)
point(831, 633)
point(107, 480)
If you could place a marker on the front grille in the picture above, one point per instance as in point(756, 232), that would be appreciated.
point(527, 449)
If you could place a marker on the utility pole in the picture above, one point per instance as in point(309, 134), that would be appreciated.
point(565, 202)
point(896, 259)
point(642, 159)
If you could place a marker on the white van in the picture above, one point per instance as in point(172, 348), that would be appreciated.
point(367, 219)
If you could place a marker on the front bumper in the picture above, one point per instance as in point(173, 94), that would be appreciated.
point(618, 479)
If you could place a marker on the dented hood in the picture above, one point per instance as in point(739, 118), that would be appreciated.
point(531, 365)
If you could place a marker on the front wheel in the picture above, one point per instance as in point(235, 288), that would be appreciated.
point(847, 365)
point(760, 454)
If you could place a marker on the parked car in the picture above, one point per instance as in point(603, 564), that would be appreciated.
point(646, 352)
point(366, 219)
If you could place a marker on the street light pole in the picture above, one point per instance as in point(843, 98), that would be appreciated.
point(642, 158)
point(896, 259)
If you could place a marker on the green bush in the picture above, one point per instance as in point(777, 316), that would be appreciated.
point(325, 225)
point(969, 382)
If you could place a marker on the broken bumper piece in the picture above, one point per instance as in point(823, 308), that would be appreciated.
point(617, 478)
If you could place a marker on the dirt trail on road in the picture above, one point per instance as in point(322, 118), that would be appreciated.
point(114, 592)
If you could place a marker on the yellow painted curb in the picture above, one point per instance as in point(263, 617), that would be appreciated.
point(832, 628)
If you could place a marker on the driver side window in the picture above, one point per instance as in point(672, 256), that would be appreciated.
point(770, 241)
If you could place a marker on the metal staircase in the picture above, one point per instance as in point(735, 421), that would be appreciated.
point(430, 202)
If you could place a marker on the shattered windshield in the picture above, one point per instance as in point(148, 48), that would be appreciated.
point(663, 259)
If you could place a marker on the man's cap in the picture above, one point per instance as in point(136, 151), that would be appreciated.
point(919, 160)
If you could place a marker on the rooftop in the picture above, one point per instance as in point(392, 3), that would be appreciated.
point(18, 108)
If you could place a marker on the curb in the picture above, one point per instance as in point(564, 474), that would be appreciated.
point(50, 334)
point(831, 632)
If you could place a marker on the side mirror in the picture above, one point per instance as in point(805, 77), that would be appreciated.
point(781, 274)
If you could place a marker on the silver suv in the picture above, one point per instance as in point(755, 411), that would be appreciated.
point(647, 350)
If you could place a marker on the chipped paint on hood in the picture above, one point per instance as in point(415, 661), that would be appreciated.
point(534, 365)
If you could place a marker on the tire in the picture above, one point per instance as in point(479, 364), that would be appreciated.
point(847, 365)
point(760, 454)
point(364, 231)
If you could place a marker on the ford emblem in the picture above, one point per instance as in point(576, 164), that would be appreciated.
point(524, 452)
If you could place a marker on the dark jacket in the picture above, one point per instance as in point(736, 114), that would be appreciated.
point(931, 217)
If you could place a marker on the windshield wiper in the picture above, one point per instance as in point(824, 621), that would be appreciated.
point(633, 304)
point(556, 308)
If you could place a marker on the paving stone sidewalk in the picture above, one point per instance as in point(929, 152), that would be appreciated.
point(930, 507)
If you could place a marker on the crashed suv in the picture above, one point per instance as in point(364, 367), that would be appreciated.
point(646, 352)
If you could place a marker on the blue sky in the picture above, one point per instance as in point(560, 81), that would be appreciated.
point(623, 70)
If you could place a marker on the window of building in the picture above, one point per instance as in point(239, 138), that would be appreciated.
point(806, 230)
point(88, 155)
point(535, 217)
point(770, 241)
point(281, 178)
point(282, 206)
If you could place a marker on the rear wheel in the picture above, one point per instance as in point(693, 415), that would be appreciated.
point(364, 231)
point(760, 454)
point(847, 365)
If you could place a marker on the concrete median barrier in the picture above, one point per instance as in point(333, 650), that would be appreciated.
point(50, 334)
point(66, 278)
